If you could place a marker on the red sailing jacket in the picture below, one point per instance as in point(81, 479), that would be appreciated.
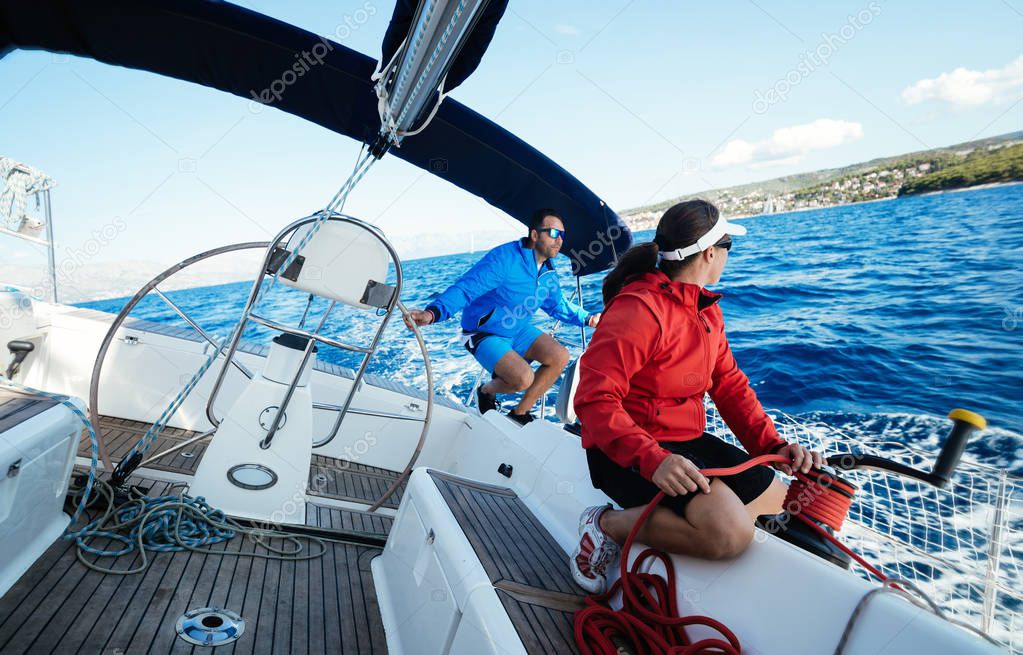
point(659, 347)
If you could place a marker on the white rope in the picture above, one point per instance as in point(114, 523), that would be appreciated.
point(20, 182)
point(441, 95)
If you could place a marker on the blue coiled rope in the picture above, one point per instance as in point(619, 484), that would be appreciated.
point(163, 524)
point(172, 523)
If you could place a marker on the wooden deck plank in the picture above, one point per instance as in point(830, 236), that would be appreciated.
point(345, 620)
point(549, 564)
point(514, 547)
point(352, 481)
point(180, 576)
point(81, 595)
point(37, 582)
point(371, 605)
point(145, 595)
point(273, 609)
point(16, 407)
point(254, 586)
point(325, 605)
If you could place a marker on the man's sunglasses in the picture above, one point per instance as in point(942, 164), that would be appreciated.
point(727, 244)
point(552, 232)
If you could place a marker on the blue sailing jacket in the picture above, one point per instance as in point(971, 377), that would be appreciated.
point(502, 291)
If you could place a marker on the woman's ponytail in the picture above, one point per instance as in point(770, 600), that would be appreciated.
point(636, 261)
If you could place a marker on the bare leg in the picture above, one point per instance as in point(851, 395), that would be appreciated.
point(553, 358)
point(769, 502)
point(716, 525)
point(511, 374)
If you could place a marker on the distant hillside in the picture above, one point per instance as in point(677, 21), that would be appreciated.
point(876, 179)
point(979, 167)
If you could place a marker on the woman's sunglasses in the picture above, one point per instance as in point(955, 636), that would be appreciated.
point(552, 232)
point(727, 244)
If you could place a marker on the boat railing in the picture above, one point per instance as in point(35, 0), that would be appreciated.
point(20, 184)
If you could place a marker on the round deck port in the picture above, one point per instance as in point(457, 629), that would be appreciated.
point(210, 626)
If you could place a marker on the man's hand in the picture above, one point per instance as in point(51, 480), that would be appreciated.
point(593, 320)
point(677, 476)
point(420, 316)
point(800, 459)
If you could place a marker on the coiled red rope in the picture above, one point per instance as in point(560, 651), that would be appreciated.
point(649, 623)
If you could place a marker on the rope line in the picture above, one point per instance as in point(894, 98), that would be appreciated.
point(649, 617)
point(20, 182)
point(173, 523)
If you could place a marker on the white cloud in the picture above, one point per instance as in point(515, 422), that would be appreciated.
point(787, 145)
point(736, 151)
point(964, 87)
point(570, 30)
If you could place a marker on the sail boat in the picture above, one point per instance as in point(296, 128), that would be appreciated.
point(342, 511)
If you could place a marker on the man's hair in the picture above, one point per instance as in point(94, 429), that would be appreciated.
point(536, 222)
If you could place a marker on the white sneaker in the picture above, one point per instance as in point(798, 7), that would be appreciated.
point(595, 552)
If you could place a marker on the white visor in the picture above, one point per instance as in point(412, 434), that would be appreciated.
point(720, 229)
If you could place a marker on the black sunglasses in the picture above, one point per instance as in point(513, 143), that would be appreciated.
point(552, 232)
point(727, 245)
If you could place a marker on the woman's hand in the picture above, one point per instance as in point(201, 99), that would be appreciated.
point(800, 459)
point(593, 320)
point(420, 316)
point(677, 476)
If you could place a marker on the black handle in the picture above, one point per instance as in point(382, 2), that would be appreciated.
point(20, 350)
point(965, 423)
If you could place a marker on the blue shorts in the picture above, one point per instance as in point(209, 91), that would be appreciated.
point(488, 348)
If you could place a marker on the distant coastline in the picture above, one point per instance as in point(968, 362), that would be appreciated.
point(970, 165)
point(978, 187)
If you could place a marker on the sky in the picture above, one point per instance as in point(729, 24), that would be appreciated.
point(642, 100)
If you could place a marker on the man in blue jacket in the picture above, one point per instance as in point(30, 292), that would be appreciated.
point(497, 297)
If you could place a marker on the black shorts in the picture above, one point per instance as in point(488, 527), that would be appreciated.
point(629, 489)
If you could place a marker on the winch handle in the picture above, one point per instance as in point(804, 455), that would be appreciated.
point(964, 424)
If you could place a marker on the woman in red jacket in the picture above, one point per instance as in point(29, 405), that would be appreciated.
point(659, 348)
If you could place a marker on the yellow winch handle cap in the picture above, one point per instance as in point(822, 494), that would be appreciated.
point(967, 416)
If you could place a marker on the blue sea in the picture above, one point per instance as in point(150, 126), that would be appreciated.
point(875, 318)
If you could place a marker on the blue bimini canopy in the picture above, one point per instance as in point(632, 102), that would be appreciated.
point(226, 47)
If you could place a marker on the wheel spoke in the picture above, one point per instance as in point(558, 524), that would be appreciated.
point(202, 333)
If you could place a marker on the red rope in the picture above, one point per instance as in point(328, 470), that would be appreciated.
point(649, 618)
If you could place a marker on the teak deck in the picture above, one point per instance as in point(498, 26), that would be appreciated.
point(324, 605)
point(525, 564)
